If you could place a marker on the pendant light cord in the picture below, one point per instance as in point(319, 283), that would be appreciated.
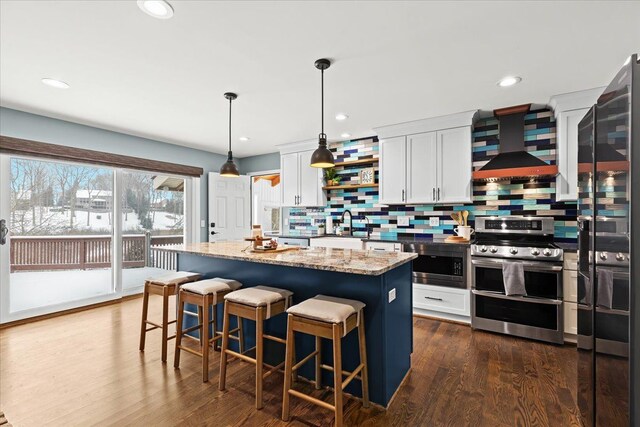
point(322, 100)
point(229, 125)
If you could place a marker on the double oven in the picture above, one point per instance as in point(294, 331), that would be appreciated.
point(529, 241)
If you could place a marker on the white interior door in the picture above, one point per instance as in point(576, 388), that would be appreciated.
point(229, 209)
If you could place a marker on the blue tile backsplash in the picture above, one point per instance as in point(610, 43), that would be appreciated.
point(510, 197)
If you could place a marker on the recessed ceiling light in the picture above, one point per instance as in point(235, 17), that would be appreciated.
point(157, 8)
point(58, 84)
point(345, 135)
point(341, 117)
point(509, 81)
point(244, 138)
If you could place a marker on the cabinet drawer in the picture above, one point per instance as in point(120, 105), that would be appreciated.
point(570, 286)
point(383, 246)
point(570, 261)
point(571, 318)
point(437, 298)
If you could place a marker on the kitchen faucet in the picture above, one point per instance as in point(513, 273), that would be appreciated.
point(350, 220)
point(368, 226)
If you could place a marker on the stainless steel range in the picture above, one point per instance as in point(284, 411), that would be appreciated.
point(529, 241)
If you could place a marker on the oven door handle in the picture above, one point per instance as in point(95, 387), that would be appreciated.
point(529, 266)
point(534, 300)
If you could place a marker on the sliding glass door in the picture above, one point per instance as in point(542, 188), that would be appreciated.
point(80, 234)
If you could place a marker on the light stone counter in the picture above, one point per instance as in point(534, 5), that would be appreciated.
point(371, 263)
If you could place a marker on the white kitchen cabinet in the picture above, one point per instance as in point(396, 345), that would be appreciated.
point(430, 167)
point(570, 318)
point(570, 293)
point(393, 167)
point(441, 299)
point(569, 109)
point(421, 168)
point(454, 165)
point(301, 184)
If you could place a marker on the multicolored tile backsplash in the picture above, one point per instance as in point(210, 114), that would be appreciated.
point(514, 197)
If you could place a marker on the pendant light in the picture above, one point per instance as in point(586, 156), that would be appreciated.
point(229, 168)
point(322, 157)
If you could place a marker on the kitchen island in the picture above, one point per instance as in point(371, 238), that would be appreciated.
point(381, 280)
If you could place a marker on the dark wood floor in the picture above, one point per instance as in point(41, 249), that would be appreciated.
point(85, 369)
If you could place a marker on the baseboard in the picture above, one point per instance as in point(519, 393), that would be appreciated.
point(444, 317)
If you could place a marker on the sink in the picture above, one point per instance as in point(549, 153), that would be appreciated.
point(338, 242)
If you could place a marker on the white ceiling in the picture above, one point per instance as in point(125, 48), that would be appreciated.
point(394, 62)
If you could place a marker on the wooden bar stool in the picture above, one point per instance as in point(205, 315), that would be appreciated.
point(205, 294)
point(331, 318)
point(165, 286)
point(258, 304)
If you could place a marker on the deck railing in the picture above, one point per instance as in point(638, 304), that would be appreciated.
point(36, 253)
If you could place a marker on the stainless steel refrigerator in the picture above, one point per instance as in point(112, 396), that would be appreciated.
point(609, 254)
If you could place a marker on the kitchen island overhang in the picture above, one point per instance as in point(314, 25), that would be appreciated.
point(367, 276)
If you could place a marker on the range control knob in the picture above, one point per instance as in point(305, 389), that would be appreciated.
point(493, 249)
point(513, 251)
point(603, 256)
point(620, 256)
point(483, 248)
point(535, 251)
point(546, 252)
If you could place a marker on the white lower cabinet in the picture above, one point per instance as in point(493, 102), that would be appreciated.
point(570, 318)
point(439, 301)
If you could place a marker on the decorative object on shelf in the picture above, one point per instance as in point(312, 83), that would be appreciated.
point(331, 177)
point(367, 176)
point(322, 157)
point(464, 231)
point(229, 168)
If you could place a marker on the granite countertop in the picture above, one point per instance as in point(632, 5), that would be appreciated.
point(370, 263)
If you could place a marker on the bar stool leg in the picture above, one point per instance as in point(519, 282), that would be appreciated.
point(165, 321)
point(225, 345)
point(318, 363)
point(363, 359)
point(337, 373)
point(179, 320)
point(259, 355)
point(214, 311)
point(200, 322)
point(145, 309)
point(288, 368)
point(205, 340)
point(240, 334)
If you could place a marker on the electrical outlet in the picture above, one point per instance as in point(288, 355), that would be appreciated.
point(403, 221)
point(392, 294)
point(286, 221)
point(434, 221)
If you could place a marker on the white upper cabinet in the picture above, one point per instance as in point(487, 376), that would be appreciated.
point(569, 109)
point(427, 161)
point(422, 170)
point(301, 184)
point(289, 178)
point(454, 165)
point(393, 170)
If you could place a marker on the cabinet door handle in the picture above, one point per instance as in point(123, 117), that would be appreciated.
point(434, 193)
point(403, 195)
point(438, 193)
point(435, 299)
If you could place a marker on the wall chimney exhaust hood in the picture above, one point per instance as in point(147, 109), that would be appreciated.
point(513, 161)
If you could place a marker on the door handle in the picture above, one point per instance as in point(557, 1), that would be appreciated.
point(213, 233)
point(403, 195)
point(434, 193)
point(3, 231)
point(435, 299)
point(438, 193)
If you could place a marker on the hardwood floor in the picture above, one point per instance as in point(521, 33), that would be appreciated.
point(85, 369)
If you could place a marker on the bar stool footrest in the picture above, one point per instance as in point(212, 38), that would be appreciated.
point(311, 399)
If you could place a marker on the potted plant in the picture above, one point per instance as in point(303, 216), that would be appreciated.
point(331, 176)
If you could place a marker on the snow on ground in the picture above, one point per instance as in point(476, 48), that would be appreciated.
point(34, 289)
point(98, 221)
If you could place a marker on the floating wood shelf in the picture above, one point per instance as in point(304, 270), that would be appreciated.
point(357, 162)
point(345, 187)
